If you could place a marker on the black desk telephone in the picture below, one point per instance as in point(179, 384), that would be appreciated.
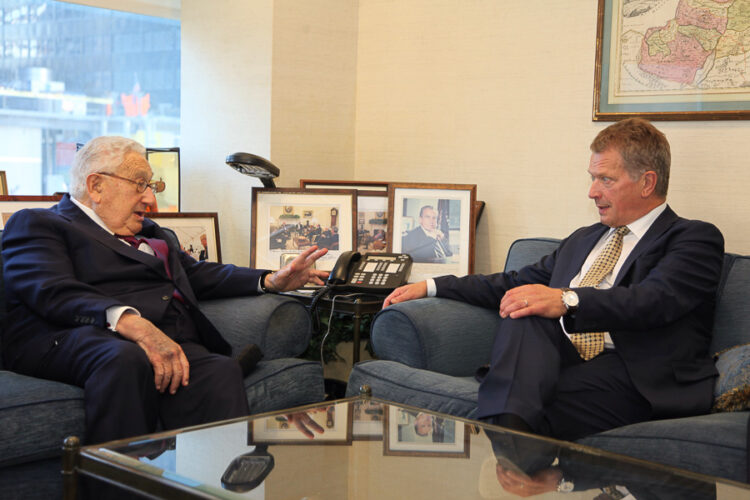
point(378, 273)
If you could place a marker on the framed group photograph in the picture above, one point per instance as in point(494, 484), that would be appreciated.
point(13, 203)
point(287, 221)
point(165, 165)
point(372, 210)
point(198, 232)
point(325, 425)
point(435, 224)
point(414, 433)
point(671, 60)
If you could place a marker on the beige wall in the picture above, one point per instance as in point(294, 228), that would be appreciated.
point(460, 91)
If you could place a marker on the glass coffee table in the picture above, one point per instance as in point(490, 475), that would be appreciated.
point(367, 448)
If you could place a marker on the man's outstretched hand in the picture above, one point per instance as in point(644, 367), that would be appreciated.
point(298, 272)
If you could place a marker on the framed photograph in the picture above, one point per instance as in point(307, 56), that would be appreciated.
point(325, 425)
point(671, 60)
point(3, 183)
point(11, 204)
point(198, 232)
point(165, 163)
point(372, 211)
point(412, 433)
point(435, 224)
point(368, 420)
point(287, 221)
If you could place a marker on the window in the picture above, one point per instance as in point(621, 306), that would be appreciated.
point(69, 73)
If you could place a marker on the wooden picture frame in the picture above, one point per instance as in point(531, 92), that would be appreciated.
point(436, 225)
point(9, 204)
point(165, 165)
point(190, 228)
point(666, 64)
point(372, 210)
point(280, 227)
point(3, 183)
point(334, 419)
point(424, 434)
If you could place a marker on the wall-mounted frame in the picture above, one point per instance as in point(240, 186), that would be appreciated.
point(435, 224)
point(165, 164)
point(662, 62)
point(422, 434)
point(288, 220)
point(13, 203)
point(327, 425)
point(372, 210)
point(3, 183)
point(198, 232)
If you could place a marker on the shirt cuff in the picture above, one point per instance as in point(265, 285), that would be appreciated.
point(431, 287)
point(114, 313)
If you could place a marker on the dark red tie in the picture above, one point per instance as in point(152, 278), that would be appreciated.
point(161, 251)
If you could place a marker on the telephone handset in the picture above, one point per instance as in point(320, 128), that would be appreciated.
point(379, 273)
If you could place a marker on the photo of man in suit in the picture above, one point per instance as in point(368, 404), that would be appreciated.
point(614, 326)
point(426, 243)
point(101, 297)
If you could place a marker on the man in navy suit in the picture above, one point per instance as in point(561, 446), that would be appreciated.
point(653, 311)
point(121, 319)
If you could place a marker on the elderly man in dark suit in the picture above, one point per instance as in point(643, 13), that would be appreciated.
point(92, 305)
point(614, 326)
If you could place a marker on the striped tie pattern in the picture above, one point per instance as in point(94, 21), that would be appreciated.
point(592, 343)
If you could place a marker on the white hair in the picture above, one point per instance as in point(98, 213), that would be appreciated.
point(101, 154)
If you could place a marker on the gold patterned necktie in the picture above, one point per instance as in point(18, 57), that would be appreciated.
point(592, 343)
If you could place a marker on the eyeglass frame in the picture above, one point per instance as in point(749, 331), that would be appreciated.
point(141, 185)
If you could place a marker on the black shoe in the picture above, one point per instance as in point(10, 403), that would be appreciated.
point(248, 358)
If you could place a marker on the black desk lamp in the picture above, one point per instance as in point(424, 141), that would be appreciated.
point(254, 166)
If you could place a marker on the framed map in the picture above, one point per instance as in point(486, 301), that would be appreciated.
point(672, 60)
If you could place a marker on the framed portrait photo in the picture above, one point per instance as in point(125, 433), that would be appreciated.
point(165, 164)
point(13, 203)
point(372, 210)
point(288, 221)
point(435, 224)
point(415, 433)
point(198, 232)
point(669, 60)
point(324, 425)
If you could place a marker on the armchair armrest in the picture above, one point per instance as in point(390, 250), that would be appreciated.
point(280, 326)
point(435, 334)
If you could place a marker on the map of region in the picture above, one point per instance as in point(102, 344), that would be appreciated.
point(680, 49)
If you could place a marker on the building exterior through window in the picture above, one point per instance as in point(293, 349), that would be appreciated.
point(69, 73)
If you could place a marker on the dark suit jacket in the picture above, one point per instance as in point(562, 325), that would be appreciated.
point(62, 271)
point(659, 312)
point(421, 247)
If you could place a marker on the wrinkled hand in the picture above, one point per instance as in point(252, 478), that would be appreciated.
point(171, 367)
point(303, 422)
point(524, 486)
point(532, 300)
point(298, 272)
point(407, 292)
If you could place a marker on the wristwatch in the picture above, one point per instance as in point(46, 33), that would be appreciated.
point(570, 300)
point(565, 486)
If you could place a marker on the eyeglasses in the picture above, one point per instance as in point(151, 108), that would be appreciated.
point(141, 185)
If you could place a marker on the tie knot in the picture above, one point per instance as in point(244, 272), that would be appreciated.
point(622, 231)
point(130, 239)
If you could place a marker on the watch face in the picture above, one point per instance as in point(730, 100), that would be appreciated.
point(570, 298)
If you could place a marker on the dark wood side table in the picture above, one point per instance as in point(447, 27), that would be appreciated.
point(356, 305)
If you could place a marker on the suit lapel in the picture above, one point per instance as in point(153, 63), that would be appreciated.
point(581, 251)
point(659, 227)
point(83, 222)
